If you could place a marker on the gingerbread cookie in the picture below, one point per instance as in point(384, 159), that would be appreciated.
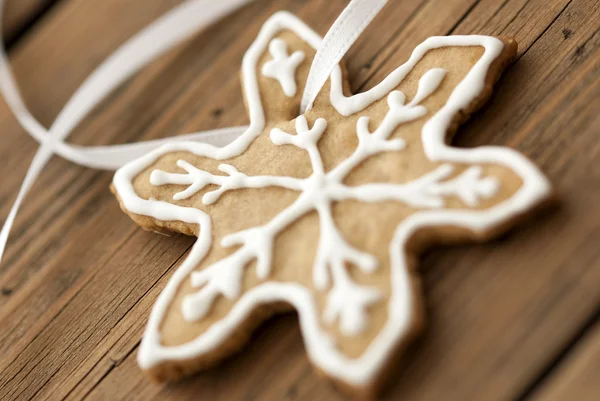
point(325, 212)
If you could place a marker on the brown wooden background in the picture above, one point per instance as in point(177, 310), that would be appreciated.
point(516, 319)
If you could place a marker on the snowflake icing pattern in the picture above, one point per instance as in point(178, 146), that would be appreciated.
point(347, 301)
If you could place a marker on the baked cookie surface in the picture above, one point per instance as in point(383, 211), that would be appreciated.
point(325, 213)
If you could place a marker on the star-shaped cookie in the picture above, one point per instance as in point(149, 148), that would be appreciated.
point(325, 212)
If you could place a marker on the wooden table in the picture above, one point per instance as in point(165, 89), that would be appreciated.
point(515, 319)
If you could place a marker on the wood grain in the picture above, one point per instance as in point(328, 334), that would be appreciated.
point(78, 279)
point(577, 377)
point(18, 15)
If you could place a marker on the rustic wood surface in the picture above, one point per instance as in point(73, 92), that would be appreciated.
point(515, 319)
point(20, 15)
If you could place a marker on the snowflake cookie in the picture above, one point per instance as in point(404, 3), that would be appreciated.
point(325, 212)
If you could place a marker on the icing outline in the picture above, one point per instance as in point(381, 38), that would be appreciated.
point(361, 370)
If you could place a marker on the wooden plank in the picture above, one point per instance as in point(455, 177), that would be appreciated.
point(42, 360)
point(522, 19)
point(19, 14)
point(577, 377)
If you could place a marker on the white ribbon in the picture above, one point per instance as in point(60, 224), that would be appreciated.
point(343, 33)
point(157, 38)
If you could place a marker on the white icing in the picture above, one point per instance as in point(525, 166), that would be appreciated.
point(426, 192)
point(429, 190)
point(283, 66)
point(198, 179)
point(430, 81)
